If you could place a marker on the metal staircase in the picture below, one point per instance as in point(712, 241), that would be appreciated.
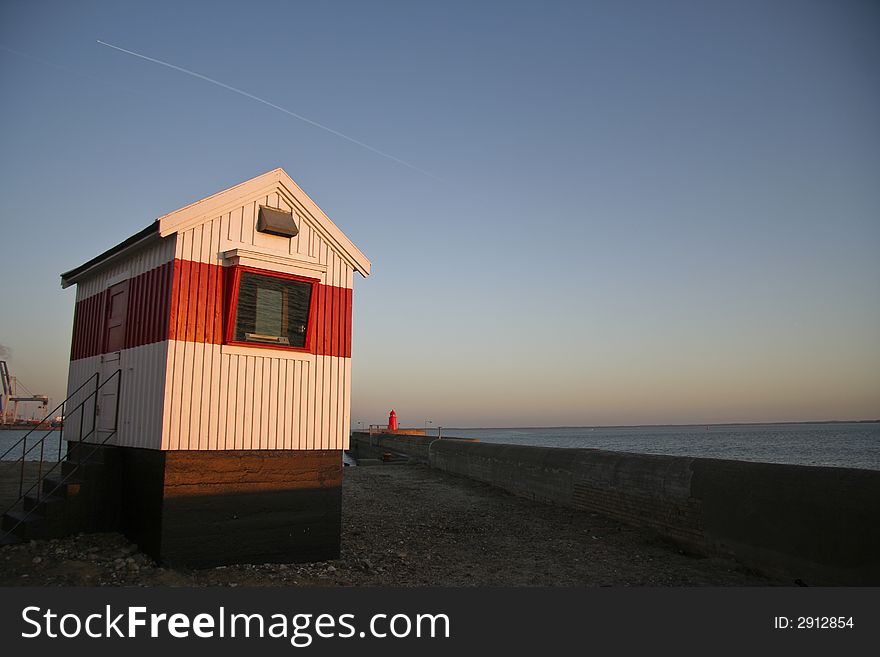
point(50, 485)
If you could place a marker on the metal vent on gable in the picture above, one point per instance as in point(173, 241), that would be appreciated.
point(276, 222)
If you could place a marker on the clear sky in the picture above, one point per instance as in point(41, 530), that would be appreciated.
point(638, 212)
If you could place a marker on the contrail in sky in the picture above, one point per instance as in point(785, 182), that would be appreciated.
point(272, 105)
point(70, 71)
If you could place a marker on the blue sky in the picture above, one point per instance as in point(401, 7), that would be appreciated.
point(638, 212)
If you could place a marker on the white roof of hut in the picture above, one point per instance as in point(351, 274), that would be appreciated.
point(188, 216)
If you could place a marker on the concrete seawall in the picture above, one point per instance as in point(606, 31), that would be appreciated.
point(820, 525)
point(415, 446)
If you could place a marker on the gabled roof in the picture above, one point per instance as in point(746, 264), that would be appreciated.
point(208, 207)
point(192, 214)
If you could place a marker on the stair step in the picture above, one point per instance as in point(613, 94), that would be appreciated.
point(8, 539)
point(14, 520)
point(73, 460)
point(34, 524)
point(88, 452)
point(84, 467)
point(47, 505)
point(62, 485)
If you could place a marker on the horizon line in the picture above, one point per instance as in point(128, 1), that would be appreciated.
point(636, 426)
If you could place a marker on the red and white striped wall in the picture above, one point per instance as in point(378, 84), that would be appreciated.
point(143, 358)
point(182, 387)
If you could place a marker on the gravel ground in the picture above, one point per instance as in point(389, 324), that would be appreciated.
point(408, 525)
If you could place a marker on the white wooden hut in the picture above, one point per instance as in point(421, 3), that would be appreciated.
point(230, 322)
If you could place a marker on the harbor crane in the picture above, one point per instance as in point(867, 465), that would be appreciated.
point(10, 387)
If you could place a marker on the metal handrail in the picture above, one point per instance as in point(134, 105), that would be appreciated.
point(51, 414)
point(27, 513)
point(94, 429)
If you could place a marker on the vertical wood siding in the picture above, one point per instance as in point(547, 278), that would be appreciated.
point(182, 388)
point(149, 297)
point(88, 324)
point(237, 226)
point(247, 401)
point(223, 397)
point(143, 358)
point(140, 400)
point(143, 395)
point(199, 303)
point(196, 309)
point(145, 259)
point(79, 372)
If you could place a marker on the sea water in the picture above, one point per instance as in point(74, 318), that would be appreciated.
point(11, 439)
point(838, 444)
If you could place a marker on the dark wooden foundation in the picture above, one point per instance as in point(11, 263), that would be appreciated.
point(201, 508)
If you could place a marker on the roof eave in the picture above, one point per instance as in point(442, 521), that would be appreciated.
point(125, 247)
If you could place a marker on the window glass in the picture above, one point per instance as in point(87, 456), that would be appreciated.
point(272, 310)
point(267, 316)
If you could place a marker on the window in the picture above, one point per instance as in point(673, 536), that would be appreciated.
point(270, 310)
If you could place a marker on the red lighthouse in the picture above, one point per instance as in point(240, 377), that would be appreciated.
point(392, 421)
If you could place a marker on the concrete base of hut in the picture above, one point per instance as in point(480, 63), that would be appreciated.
point(211, 508)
